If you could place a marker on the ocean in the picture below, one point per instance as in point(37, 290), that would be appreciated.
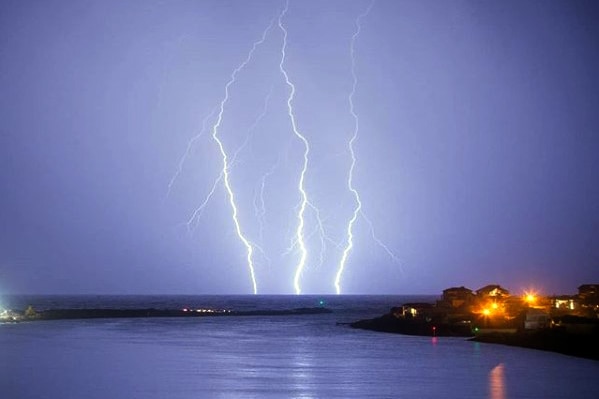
point(296, 356)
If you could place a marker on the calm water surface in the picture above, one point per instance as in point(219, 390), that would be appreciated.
point(266, 357)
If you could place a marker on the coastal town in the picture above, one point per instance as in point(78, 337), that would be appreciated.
point(567, 324)
point(494, 307)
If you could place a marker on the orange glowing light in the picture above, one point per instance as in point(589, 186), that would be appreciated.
point(530, 297)
point(486, 312)
point(494, 305)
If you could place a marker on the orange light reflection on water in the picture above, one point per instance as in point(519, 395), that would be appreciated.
point(497, 382)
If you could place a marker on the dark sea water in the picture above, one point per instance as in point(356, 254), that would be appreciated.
point(302, 356)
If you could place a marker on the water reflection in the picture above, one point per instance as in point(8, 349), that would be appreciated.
point(302, 370)
point(497, 382)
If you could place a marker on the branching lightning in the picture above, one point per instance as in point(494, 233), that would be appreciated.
point(226, 167)
point(393, 257)
point(260, 203)
point(197, 214)
point(252, 128)
point(299, 233)
point(350, 180)
point(305, 227)
point(321, 233)
point(190, 145)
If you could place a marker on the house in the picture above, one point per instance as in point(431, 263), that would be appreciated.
point(457, 297)
point(588, 297)
point(589, 294)
point(493, 291)
point(413, 310)
point(564, 302)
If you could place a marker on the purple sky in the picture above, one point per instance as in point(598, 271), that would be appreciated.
point(477, 156)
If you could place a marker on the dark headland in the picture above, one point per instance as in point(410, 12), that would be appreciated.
point(567, 324)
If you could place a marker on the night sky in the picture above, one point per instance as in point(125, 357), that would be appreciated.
point(477, 159)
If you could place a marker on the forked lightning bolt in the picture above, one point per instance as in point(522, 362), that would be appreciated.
point(226, 167)
point(299, 233)
point(197, 214)
point(321, 234)
point(350, 180)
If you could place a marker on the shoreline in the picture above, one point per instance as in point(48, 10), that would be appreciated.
point(557, 340)
point(390, 324)
point(549, 340)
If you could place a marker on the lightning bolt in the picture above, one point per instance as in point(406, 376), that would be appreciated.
point(350, 180)
point(252, 128)
point(225, 165)
point(301, 237)
point(199, 211)
point(197, 214)
point(385, 248)
point(190, 145)
point(260, 203)
point(299, 233)
point(321, 234)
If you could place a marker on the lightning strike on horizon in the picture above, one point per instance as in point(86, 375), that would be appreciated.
point(226, 167)
point(304, 196)
point(350, 180)
point(228, 163)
